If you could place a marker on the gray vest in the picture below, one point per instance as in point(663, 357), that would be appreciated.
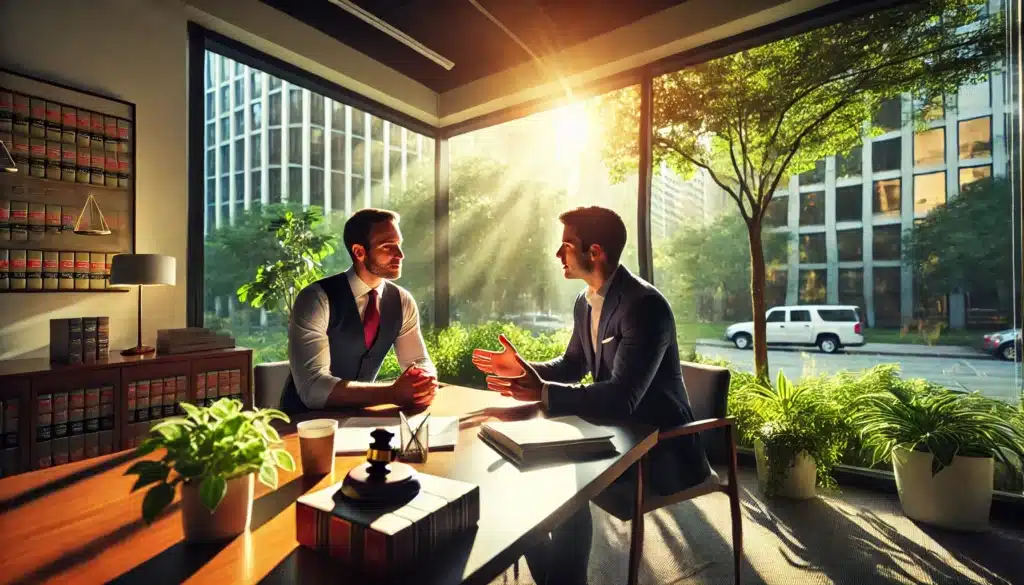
point(350, 360)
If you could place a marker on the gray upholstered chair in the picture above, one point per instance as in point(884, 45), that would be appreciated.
point(269, 382)
point(708, 390)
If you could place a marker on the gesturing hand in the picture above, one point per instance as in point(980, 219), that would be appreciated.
point(527, 386)
point(499, 363)
point(414, 388)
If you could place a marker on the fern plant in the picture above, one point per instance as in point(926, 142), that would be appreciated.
point(789, 419)
point(943, 422)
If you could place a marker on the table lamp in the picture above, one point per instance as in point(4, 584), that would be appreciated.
point(141, 270)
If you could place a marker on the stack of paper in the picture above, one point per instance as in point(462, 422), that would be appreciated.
point(189, 339)
point(353, 436)
point(541, 439)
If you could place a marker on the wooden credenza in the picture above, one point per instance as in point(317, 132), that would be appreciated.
point(56, 413)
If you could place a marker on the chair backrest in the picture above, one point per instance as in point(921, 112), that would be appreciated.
point(708, 390)
point(270, 380)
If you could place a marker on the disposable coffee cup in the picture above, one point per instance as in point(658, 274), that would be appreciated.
point(316, 445)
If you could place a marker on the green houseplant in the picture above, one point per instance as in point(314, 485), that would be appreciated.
point(943, 445)
point(798, 435)
point(214, 452)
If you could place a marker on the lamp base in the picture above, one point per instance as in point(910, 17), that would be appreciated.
point(138, 350)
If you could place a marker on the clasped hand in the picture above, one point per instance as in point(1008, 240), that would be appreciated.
point(415, 387)
point(508, 373)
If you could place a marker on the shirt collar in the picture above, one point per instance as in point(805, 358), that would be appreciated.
point(598, 296)
point(360, 288)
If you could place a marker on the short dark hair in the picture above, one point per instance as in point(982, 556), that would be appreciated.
point(598, 225)
point(358, 227)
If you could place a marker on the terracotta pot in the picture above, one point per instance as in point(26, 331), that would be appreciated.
point(231, 518)
point(798, 482)
point(959, 497)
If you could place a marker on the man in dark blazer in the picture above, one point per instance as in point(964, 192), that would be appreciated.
point(624, 335)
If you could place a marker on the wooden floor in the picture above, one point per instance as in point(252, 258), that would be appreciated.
point(855, 537)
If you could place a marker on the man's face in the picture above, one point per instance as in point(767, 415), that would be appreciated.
point(384, 258)
point(576, 262)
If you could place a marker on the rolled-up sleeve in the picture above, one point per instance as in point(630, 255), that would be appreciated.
point(309, 353)
point(409, 346)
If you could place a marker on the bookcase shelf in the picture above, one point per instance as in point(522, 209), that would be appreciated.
point(85, 291)
point(27, 385)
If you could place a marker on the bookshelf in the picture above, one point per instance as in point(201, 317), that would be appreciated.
point(40, 400)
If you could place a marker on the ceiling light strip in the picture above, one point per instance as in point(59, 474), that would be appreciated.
point(368, 18)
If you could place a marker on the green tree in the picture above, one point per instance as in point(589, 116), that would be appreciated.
point(704, 263)
point(303, 246)
point(752, 118)
point(967, 244)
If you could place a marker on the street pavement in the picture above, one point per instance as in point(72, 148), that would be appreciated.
point(994, 378)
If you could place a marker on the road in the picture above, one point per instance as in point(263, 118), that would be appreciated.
point(994, 378)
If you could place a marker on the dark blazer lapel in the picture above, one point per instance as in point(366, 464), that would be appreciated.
point(611, 303)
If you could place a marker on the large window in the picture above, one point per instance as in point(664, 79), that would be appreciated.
point(812, 248)
point(885, 155)
point(851, 245)
point(969, 175)
point(887, 297)
point(975, 138)
point(812, 208)
point(509, 183)
point(238, 239)
point(929, 192)
point(930, 147)
point(886, 242)
point(850, 203)
point(851, 163)
point(888, 118)
point(887, 197)
point(813, 286)
point(851, 287)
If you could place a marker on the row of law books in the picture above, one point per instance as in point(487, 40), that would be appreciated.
point(190, 339)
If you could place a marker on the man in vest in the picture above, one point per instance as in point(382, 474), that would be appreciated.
point(342, 326)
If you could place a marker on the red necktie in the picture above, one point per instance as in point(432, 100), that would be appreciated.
point(371, 318)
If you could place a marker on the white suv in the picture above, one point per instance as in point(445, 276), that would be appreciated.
point(830, 327)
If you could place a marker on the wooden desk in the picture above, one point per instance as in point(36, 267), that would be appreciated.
point(79, 523)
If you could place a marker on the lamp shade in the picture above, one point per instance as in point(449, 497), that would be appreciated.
point(142, 269)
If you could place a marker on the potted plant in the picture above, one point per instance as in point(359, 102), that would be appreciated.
point(797, 434)
point(213, 452)
point(942, 444)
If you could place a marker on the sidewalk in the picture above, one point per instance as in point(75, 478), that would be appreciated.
point(895, 349)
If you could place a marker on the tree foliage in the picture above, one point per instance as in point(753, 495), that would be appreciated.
point(752, 118)
point(967, 244)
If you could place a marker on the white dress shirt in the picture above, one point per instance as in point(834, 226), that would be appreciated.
point(595, 298)
point(309, 349)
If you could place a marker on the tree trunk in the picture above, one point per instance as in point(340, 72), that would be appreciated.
point(757, 284)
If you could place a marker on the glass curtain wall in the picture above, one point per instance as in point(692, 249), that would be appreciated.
point(273, 147)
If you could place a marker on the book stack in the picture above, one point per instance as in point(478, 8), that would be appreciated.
point(382, 541)
point(214, 385)
point(149, 401)
point(189, 339)
point(79, 340)
point(547, 439)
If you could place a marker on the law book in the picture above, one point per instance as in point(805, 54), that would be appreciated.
point(66, 341)
point(199, 392)
point(170, 396)
point(97, 262)
point(102, 338)
point(544, 439)
point(5, 220)
point(129, 397)
point(383, 541)
point(36, 221)
point(5, 268)
point(106, 442)
point(76, 447)
point(34, 270)
point(142, 400)
point(107, 261)
point(16, 275)
point(223, 383)
point(66, 270)
point(89, 340)
point(67, 218)
point(81, 270)
point(50, 270)
point(156, 399)
point(18, 221)
point(59, 450)
point(43, 458)
point(60, 414)
point(53, 218)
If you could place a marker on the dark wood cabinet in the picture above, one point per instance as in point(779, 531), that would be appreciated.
point(55, 413)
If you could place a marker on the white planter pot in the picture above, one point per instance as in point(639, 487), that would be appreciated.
point(231, 518)
point(958, 497)
point(800, 479)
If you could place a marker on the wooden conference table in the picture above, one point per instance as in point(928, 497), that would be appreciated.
point(79, 523)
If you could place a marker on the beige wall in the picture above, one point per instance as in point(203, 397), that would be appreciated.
point(133, 50)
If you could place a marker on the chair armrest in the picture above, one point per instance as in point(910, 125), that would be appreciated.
point(696, 427)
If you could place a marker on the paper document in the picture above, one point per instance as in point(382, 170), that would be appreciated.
point(353, 437)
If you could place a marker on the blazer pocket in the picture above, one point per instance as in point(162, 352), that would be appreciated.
point(608, 340)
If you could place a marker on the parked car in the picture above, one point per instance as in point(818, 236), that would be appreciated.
point(830, 327)
point(1005, 344)
point(539, 322)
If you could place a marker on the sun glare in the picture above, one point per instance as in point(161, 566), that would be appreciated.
point(572, 129)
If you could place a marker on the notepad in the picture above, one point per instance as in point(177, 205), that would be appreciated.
point(353, 436)
point(528, 441)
